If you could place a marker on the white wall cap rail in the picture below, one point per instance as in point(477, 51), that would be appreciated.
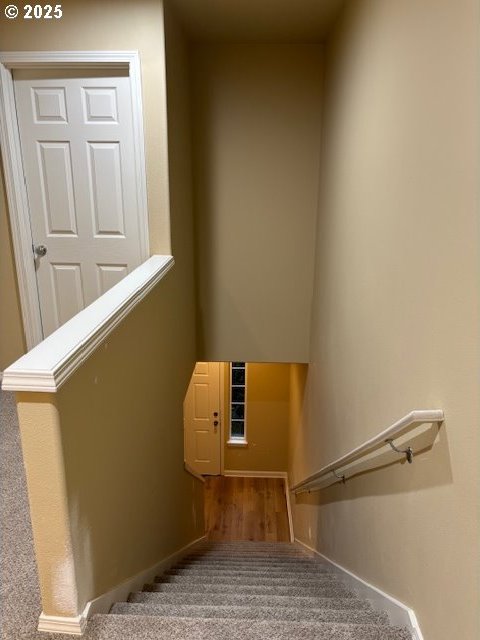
point(414, 418)
point(55, 59)
point(48, 365)
point(192, 472)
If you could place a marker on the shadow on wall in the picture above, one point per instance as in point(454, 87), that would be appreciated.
point(431, 468)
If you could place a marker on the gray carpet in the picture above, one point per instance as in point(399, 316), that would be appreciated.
point(239, 591)
point(248, 591)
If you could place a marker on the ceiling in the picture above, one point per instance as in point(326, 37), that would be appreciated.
point(257, 20)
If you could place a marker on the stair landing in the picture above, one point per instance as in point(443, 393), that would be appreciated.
point(252, 509)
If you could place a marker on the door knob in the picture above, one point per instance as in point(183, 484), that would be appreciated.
point(215, 423)
point(39, 250)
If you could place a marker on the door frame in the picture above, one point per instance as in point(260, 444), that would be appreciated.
point(221, 383)
point(15, 183)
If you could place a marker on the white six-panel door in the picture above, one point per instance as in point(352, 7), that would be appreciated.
point(202, 419)
point(77, 140)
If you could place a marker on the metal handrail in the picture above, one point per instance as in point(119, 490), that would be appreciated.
point(192, 472)
point(386, 436)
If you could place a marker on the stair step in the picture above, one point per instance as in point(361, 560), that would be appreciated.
point(250, 556)
point(248, 560)
point(277, 577)
point(112, 627)
point(301, 562)
point(247, 557)
point(247, 600)
point(290, 614)
point(250, 545)
point(323, 589)
point(248, 566)
point(250, 552)
point(251, 571)
point(300, 579)
point(240, 569)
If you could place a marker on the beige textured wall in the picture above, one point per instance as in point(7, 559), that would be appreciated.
point(256, 121)
point(104, 456)
point(45, 471)
point(108, 25)
point(268, 398)
point(180, 174)
point(104, 460)
point(396, 307)
point(12, 340)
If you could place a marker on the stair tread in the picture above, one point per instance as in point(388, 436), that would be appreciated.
point(249, 546)
point(236, 560)
point(189, 570)
point(252, 613)
point(112, 626)
point(328, 589)
point(267, 553)
point(257, 553)
point(295, 579)
point(247, 600)
point(253, 557)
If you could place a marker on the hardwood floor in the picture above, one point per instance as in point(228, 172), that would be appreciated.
point(246, 509)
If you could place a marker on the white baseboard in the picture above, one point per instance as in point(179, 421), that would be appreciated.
point(398, 612)
point(74, 625)
point(102, 604)
point(239, 473)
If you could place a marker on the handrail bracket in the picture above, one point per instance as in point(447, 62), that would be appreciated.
point(341, 478)
point(408, 452)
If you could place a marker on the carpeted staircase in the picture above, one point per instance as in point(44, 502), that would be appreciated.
point(246, 591)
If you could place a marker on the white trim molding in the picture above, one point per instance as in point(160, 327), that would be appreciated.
point(237, 442)
point(74, 625)
point(49, 365)
point(239, 473)
point(102, 604)
point(18, 209)
point(13, 166)
point(222, 416)
point(398, 612)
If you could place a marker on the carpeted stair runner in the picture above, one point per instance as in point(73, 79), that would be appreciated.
point(246, 591)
